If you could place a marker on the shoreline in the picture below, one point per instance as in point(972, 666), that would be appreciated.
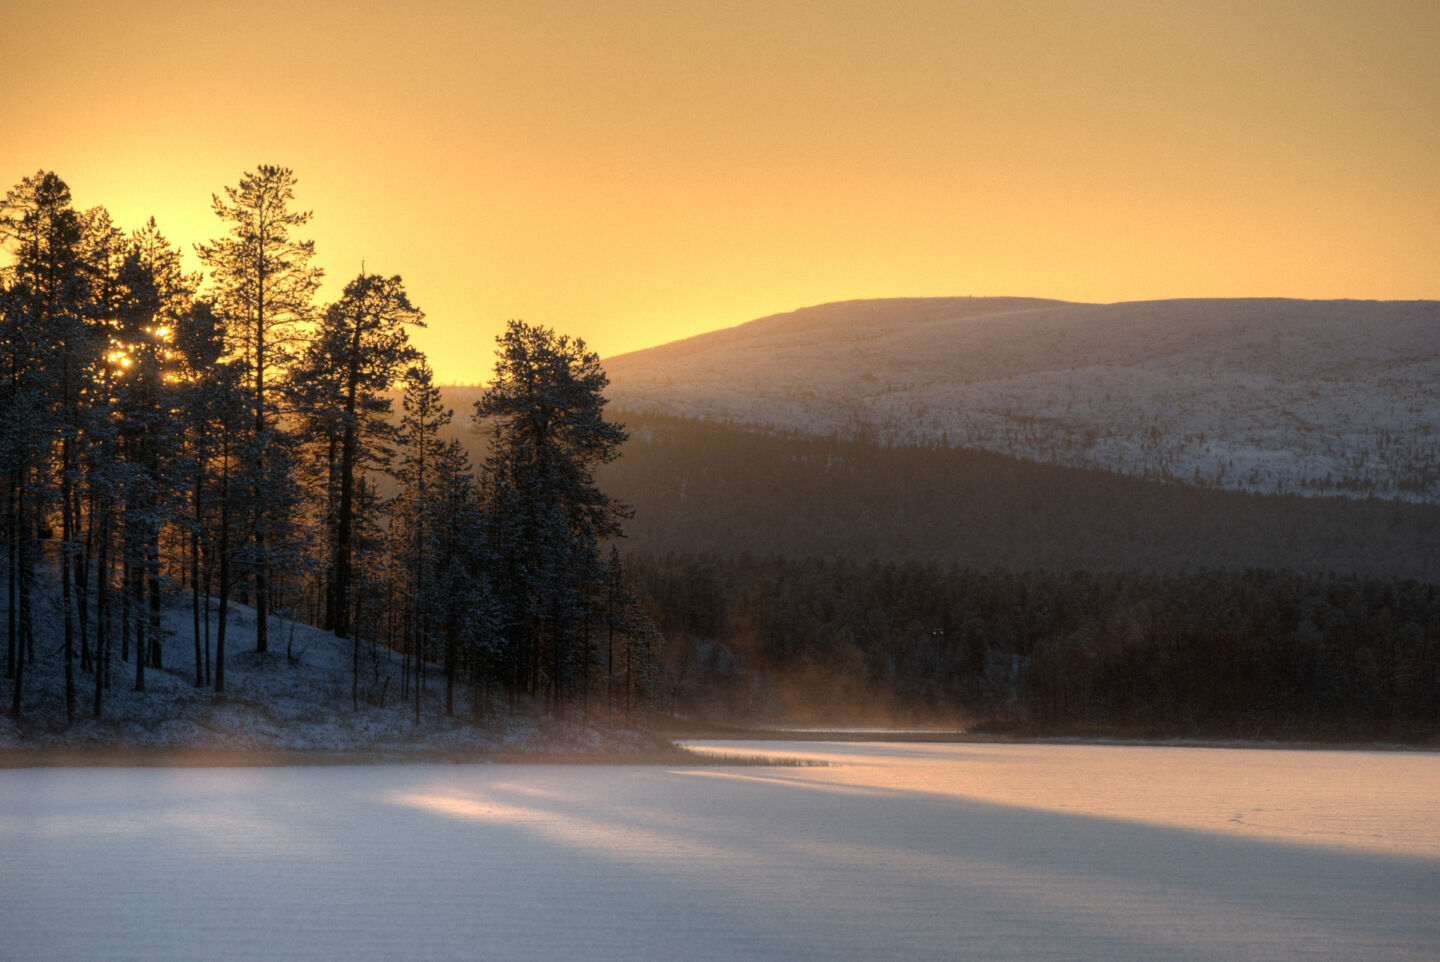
point(133, 756)
point(12, 757)
point(962, 737)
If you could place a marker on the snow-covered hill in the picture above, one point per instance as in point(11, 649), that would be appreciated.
point(1321, 397)
point(303, 696)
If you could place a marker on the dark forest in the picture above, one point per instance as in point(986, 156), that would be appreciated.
point(227, 440)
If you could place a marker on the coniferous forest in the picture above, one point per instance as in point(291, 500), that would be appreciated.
point(1243, 654)
point(831, 581)
point(221, 436)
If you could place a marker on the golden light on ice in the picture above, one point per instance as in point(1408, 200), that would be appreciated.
point(1348, 800)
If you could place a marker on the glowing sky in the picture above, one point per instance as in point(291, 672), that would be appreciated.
point(636, 172)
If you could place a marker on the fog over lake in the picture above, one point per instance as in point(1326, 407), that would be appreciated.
point(926, 851)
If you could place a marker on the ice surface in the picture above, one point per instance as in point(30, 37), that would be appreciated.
point(895, 852)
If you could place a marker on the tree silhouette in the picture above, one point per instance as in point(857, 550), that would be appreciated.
point(359, 352)
point(152, 436)
point(545, 410)
point(264, 288)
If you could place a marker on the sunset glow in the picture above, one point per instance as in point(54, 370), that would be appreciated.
point(639, 172)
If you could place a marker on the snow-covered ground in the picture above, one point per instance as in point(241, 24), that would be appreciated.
point(1319, 397)
point(895, 852)
point(299, 696)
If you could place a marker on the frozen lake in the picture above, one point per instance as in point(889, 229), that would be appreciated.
point(923, 851)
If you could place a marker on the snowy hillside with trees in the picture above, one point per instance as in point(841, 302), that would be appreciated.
point(312, 693)
point(219, 443)
point(1264, 395)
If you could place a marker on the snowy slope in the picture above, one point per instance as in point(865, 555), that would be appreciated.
point(1257, 394)
point(296, 697)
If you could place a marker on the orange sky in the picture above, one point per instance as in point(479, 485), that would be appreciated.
point(636, 172)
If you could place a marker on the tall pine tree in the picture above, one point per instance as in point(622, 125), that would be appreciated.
point(53, 348)
point(264, 287)
point(360, 351)
point(546, 413)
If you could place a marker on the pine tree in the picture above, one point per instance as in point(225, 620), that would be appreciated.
point(153, 301)
point(226, 411)
point(545, 409)
point(420, 451)
point(40, 231)
point(467, 605)
point(103, 255)
point(264, 288)
point(359, 352)
point(52, 348)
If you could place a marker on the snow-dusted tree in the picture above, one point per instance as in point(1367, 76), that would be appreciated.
point(21, 420)
point(154, 301)
point(369, 567)
point(41, 234)
point(210, 398)
point(224, 412)
point(359, 352)
point(545, 411)
point(102, 252)
point(53, 347)
point(144, 436)
point(467, 612)
point(419, 451)
point(264, 287)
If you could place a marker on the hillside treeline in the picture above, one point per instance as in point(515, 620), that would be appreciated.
point(705, 487)
point(1243, 654)
point(224, 435)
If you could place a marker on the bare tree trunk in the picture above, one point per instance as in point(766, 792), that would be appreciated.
point(224, 617)
point(136, 607)
point(344, 537)
point(102, 611)
point(124, 602)
point(82, 582)
point(17, 596)
point(195, 578)
point(152, 578)
point(262, 598)
point(224, 555)
point(205, 593)
point(585, 665)
point(67, 589)
point(12, 577)
point(450, 659)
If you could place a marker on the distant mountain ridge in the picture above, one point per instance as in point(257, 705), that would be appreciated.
point(1266, 395)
